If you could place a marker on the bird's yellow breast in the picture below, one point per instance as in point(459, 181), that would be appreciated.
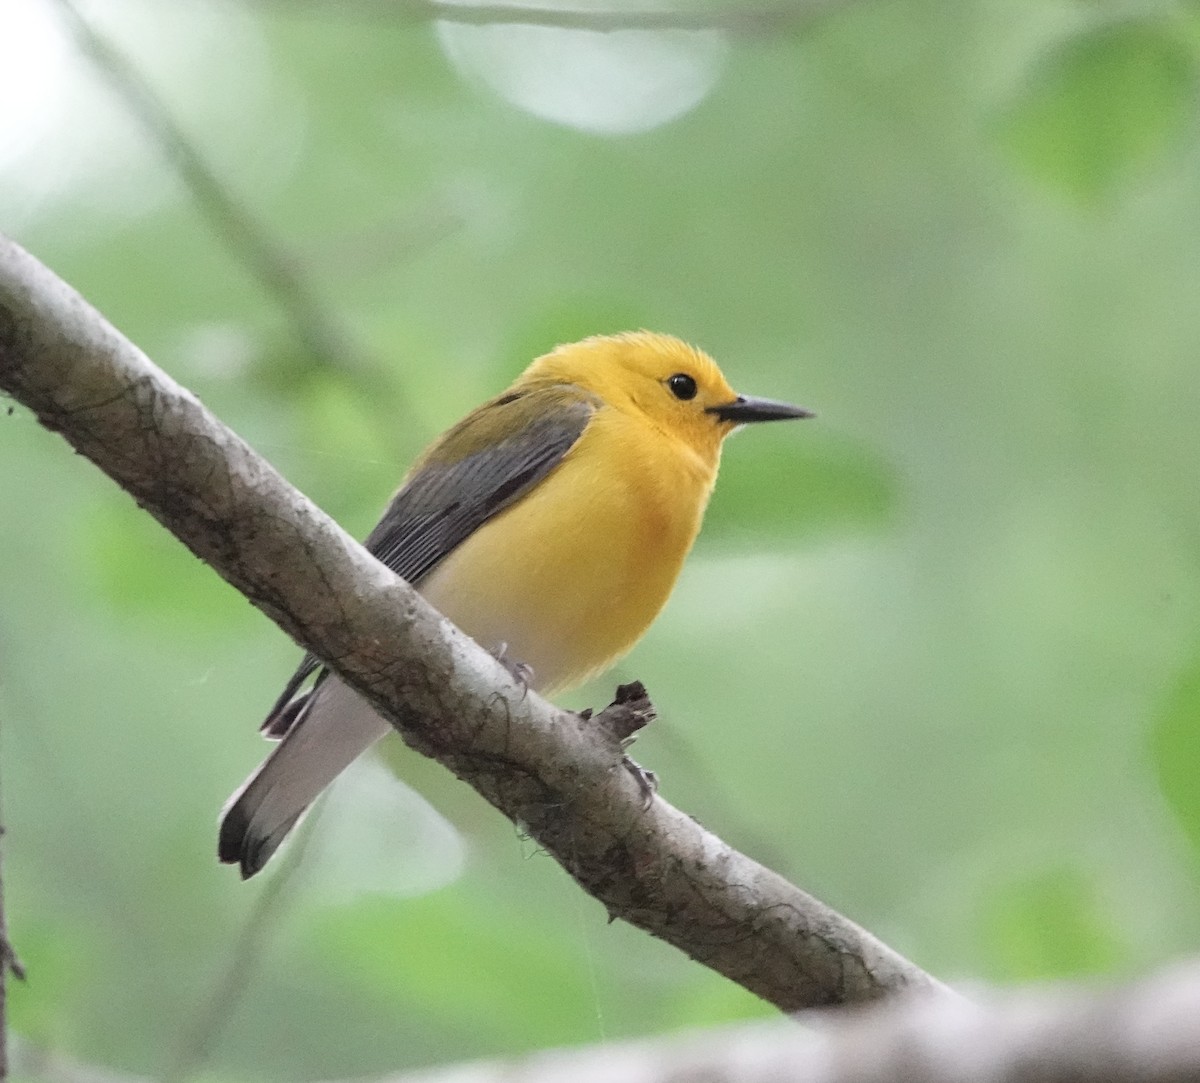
point(572, 575)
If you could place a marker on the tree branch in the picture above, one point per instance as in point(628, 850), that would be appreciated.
point(1148, 1032)
point(554, 773)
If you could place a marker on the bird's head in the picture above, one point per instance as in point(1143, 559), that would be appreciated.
point(677, 387)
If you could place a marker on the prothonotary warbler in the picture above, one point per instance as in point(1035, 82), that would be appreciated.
point(554, 520)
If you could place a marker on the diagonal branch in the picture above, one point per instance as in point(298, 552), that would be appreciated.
point(557, 775)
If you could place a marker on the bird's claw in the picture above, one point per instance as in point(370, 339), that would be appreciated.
point(647, 780)
point(521, 672)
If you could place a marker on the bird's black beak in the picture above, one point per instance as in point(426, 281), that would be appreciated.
point(744, 409)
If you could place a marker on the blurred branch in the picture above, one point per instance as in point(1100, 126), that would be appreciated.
point(9, 964)
point(209, 1019)
point(246, 238)
point(553, 772)
point(1144, 1032)
point(6, 953)
point(1148, 1032)
point(748, 21)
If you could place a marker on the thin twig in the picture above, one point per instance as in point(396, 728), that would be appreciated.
point(194, 1045)
point(9, 964)
point(320, 332)
point(760, 22)
point(237, 227)
point(6, 953)
point(564, 780)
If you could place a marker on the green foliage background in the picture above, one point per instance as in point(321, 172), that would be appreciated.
point(936, 656)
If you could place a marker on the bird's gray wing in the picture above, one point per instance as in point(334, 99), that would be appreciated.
point(483, 464)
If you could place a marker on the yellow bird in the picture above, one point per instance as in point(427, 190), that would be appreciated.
point(554, 520)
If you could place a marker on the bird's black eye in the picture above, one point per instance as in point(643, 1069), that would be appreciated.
point(682, 386)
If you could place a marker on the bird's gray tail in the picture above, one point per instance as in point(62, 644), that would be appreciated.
point(332, 730)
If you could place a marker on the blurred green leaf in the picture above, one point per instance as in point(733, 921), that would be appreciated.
point(455, 955)
point(344, 431)
point(57, 961)
point(141, 570)
point(1175, 742)
point(788, 482)
point(715, 1000)
point(1101, 105)
point(1049, 925)
point(283, 368)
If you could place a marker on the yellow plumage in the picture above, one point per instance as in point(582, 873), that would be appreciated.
point(572, 575)
point(554, 519)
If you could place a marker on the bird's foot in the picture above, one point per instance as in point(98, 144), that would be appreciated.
point(521, 672)
point(647, 781)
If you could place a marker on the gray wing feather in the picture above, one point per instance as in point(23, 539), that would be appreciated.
point(442, 504)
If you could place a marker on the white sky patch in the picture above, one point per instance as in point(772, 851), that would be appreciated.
point(33, 62)
point(67, 139)
point(614, 83)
